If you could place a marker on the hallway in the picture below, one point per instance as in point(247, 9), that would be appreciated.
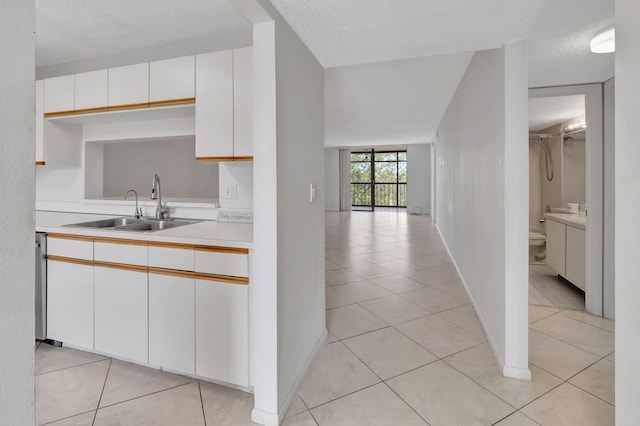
point(405, 345)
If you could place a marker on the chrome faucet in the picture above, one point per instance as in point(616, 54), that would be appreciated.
point(138, 213)
point(162, 212)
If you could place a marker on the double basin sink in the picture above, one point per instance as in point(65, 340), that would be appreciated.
point(131, 224)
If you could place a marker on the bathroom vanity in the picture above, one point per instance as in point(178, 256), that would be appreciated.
point(566, 251)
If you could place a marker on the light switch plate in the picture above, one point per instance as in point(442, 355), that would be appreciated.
point(231, 193)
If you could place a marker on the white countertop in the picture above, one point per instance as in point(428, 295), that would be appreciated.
point(574, 220)
point(207, 232)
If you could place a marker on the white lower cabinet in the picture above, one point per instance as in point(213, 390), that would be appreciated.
point(121, 317)
point(576, 265)
point(70, 303)
point(222, 331)
point(171, 322)
point(556, 245)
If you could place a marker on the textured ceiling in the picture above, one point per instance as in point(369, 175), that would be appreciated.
point(73, 30)
point(396, 102)
point(346, 32)
point(549, 111)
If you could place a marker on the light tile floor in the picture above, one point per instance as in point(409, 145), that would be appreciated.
point(546, 289)
point(404, 348)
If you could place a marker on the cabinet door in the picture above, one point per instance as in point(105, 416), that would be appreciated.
point(172, 79)
point(121, 326)
point(129, 85)
point(556, 235)
point(222, 331)
point(242, 102)
point(172, 322)
point(70, 303)
point(231, 264)
point(59, 94)
point(214, 104)
point(40, 122)
point(576, 252)
point(92, 89)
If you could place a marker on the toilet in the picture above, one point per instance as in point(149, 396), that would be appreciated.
point(537, 247)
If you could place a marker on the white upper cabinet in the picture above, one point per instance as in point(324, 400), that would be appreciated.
point(243, 102)
point(39, 122)
point(128, 85)
point(92, 89)
point(59, 94)
point(214, 105)
point(172, 79)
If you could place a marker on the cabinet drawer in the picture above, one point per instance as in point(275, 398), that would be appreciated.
point(121, 253)
point(67, 247)
point(171, 258)
point(232, 264)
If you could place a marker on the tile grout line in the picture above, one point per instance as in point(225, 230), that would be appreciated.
point(104, 385)
point(408, 405)
point(571, 344)
point(204, 416)
point(65, 418)
point(148, 394)
point(73, 366)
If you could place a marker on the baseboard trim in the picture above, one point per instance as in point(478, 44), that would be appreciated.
point(516, 373)
point(264, 418)
point(303, 371)
point(507, 371)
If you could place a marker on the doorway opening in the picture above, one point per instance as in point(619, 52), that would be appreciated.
point(378, 179)
point(557, 201)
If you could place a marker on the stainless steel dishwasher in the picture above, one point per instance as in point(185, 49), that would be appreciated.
point(41, 285)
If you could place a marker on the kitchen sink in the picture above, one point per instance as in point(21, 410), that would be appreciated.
point(153, 225)
point(132, 224)
point(106, 223)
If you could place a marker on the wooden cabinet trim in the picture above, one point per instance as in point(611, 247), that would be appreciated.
point(59, 113)
point(168, 102)
point(110, 240)
point(126, 267)
point(172, 272)
point(71, 237)
point(90, 110)
point(54, 258)
point(163, 244)
point(222, 278)
point(224, 159)
point(217, 249)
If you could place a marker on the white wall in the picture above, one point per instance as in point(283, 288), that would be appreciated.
point(240, 176)
point(332, 179)
point(17, 156)
point(482, 196)
point(574, 170)
point(627, 203)
point(609, 228)
point(287, 288)
point(132, 165)
point(301, 283)
point(419, 178)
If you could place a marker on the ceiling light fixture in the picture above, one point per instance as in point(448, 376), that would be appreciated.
point(604, 41)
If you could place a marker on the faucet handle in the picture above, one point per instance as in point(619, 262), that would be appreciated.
point(162, 212)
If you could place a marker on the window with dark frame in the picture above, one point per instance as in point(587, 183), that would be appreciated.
point(379, 179)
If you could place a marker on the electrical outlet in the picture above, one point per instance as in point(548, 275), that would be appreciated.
point(231, 192)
